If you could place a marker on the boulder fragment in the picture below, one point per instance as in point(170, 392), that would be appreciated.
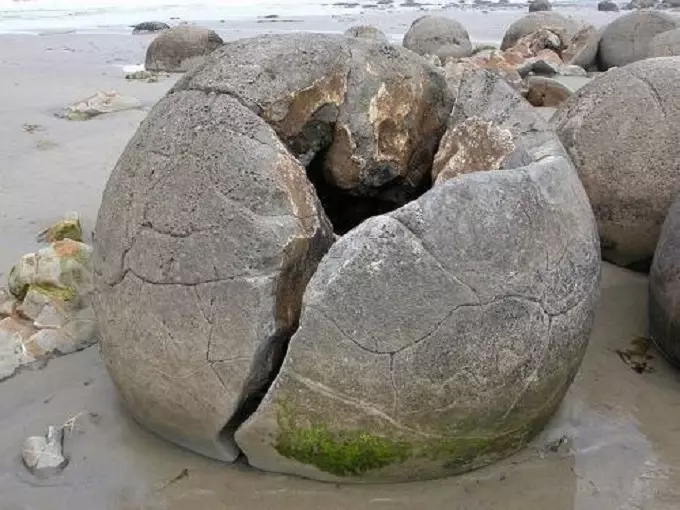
point(178, 49)
point(43, 456)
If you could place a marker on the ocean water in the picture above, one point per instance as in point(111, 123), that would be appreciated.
point(39, 15)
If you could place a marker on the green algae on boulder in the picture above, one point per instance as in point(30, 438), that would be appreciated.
point(67, 228)
point(443, 335)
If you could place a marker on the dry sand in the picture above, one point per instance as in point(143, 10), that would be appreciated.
point(620, 430)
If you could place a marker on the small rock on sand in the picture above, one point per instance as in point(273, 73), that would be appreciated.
point(43, 455)
point(98, 104)
point(149, 27)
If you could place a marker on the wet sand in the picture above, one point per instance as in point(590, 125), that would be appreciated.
point(618, 431)
point(615, 443)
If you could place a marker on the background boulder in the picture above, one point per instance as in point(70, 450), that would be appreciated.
point(179, 48)
point(620, 133)
point(539, 5)
point(627, 39)
point(607, 6)
point(366, 32)
point(535, 21)
point(664, 288)
point(666, 44)
point(440, 36)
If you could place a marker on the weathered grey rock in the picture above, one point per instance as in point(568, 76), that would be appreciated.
point(7, 303)
point(537, 20)
point(180, 48)
point(377, 109)
point(386, 133)
point(14, 334)
point(62, 269)
point(207, 235)
point(437, 35)
point(664, 288)
point(544, 91)
point(582, 48)
point(539, 5)
point(607, 6)
point(572, 70)
point(627, 39)
point(149, 27)
point(666, 44)
point(43, 455)
point(538, 66)
point(441, 336)
point(631, 178)
point(100, 103)
point(367, 32)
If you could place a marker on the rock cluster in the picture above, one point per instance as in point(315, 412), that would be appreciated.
point(45, 312)
point(436, 330)
point(534, 63)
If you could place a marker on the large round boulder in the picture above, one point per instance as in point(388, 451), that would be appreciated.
point(664, 288)
point(180, 48)
point(436, 336)
point(440, 36)
point(540, 5)
point(607, 6)
point(666, 44)
point(626, 39)
point(535, 21)
point(620, 131)
point(442, 336)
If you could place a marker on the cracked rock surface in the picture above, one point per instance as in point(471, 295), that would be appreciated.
point(632, 181)
point(441, 336)
point(206, 237)
point(427, 341)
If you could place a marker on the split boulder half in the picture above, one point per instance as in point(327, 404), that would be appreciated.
point(409, 356)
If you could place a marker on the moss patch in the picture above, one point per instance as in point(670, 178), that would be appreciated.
point(64, 229)
point(355, 452)
point(342, 453)
point(53, 292)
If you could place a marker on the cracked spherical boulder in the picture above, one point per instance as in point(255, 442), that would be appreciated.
point(535, 21)
point(440, 36)
point(206, 237)
point(666, 44)
point(664, 288)
point(620, 133)
point(179, 48)
point(375, 110)
point(627, 39)
point(441, 336)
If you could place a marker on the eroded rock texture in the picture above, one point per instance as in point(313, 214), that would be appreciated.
point(631, 179)
point(441, 336)
point(205, 240)
point(430, 340)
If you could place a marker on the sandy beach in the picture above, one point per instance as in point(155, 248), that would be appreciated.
point(612, 446)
